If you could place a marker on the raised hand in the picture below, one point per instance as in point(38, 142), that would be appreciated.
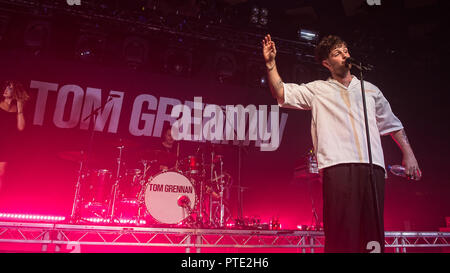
point(269, 50)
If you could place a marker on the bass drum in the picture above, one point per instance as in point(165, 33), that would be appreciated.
point(169, 197)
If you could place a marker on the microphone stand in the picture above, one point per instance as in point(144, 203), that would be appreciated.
point(240, 189)
point(95, 115)
point(360, 67)
point(74, 216)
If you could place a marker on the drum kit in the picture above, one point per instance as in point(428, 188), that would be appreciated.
point(193, 193)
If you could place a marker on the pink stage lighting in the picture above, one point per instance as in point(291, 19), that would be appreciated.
point(31, 217)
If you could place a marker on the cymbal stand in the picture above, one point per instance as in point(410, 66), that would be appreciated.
point(177, 163)
point(221, 185)
point(147, 165)
point(116, 184)
point(200, 210)
point(315, 217)
point(210, 196)
point(74, 215)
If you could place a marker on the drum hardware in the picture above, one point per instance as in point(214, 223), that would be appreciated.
point(76, 200)
point(185, 203)
point(147, 164)
point(177, 196)
point(200, 202)
point(219, 181)
point(83, 177)
point(130, 185)
point(177, 162)
point(240, 188)
point(210, 196)
point(115, 189)
point(220, 210)
point(97, 183)
point(84, 160)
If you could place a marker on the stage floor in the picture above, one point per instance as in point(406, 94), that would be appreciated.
point(25, 236)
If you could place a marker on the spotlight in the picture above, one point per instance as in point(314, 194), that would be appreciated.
point(225, 66)
point(254, 15)
point(308, 35)
point(264, 13)
point(36, 35)
point(259, 16)
point(4, 23)
point(263, 80)
point(90, 47)
point(256, 74)
point(178, 62)
point(135, 51)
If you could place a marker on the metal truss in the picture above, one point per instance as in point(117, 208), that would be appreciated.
point(402, 240)
point(187, 239)
point(195, 30)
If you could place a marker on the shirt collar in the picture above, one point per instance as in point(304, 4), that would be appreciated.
point(352, 82)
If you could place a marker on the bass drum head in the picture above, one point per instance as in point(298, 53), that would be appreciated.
point(169, 197)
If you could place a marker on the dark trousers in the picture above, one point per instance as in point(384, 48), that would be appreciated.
point(349, 215)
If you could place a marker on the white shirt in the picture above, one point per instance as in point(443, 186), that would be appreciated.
point(337, 126)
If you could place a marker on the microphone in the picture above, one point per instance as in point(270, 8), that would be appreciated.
point(112, 96)
point(358, 64)
point(183, 201)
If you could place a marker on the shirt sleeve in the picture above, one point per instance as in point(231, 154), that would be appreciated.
point(387, 122)
point(297, 96)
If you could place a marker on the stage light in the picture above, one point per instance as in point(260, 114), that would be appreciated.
point(90, 46)
point(254, 15)
point(97, 220)
point(36, 35)
point(178, 61)
point(308, 35)
point(225, 66)
point(4, 24)
point(135, 51)
point(256, 74)
point(41, 218)
point(263, 80)
point(259, 16)
point(263, 19)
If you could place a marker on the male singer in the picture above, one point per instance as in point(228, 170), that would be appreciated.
point(339, 140)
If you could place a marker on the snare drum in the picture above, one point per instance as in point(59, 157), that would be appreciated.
point(169, 197)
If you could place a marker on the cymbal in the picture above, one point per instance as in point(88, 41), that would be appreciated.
point(75, 156)
point(118, 142)
point(212, 147)
point(157, 155)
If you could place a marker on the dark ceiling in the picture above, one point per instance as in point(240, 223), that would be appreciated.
point(365, 27)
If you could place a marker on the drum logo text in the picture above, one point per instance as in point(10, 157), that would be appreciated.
point(171, 188)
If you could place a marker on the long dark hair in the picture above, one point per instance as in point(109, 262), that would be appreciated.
point(18, 91)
